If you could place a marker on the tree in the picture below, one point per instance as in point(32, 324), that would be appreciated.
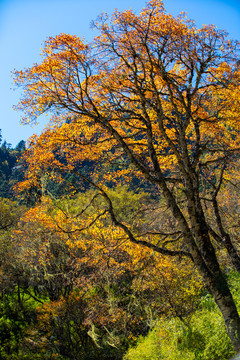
point(156, 99)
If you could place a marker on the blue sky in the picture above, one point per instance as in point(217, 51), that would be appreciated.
point(26, 24)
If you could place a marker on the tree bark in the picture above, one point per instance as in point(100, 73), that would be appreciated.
point(204, 257)
point(218, 287)
point(226, 239)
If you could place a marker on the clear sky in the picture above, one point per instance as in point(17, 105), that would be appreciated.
point(26, 24)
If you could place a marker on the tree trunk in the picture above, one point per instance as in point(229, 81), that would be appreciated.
point(213, 276)
point(219, 289)
point(226, 239)
point(198, 241)
point(232, 252)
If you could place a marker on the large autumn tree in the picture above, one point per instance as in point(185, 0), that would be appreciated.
point(152, 98)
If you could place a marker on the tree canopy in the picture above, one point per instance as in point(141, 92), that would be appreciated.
point(152, 98)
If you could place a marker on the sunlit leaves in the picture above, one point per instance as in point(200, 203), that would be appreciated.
point(152, 98)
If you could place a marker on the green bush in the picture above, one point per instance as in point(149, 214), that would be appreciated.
point(202, 337)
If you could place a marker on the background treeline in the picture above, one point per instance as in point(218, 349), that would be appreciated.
point(10, 170)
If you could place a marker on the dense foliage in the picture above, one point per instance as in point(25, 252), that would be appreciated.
point(70, 291)
point(124, 240)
